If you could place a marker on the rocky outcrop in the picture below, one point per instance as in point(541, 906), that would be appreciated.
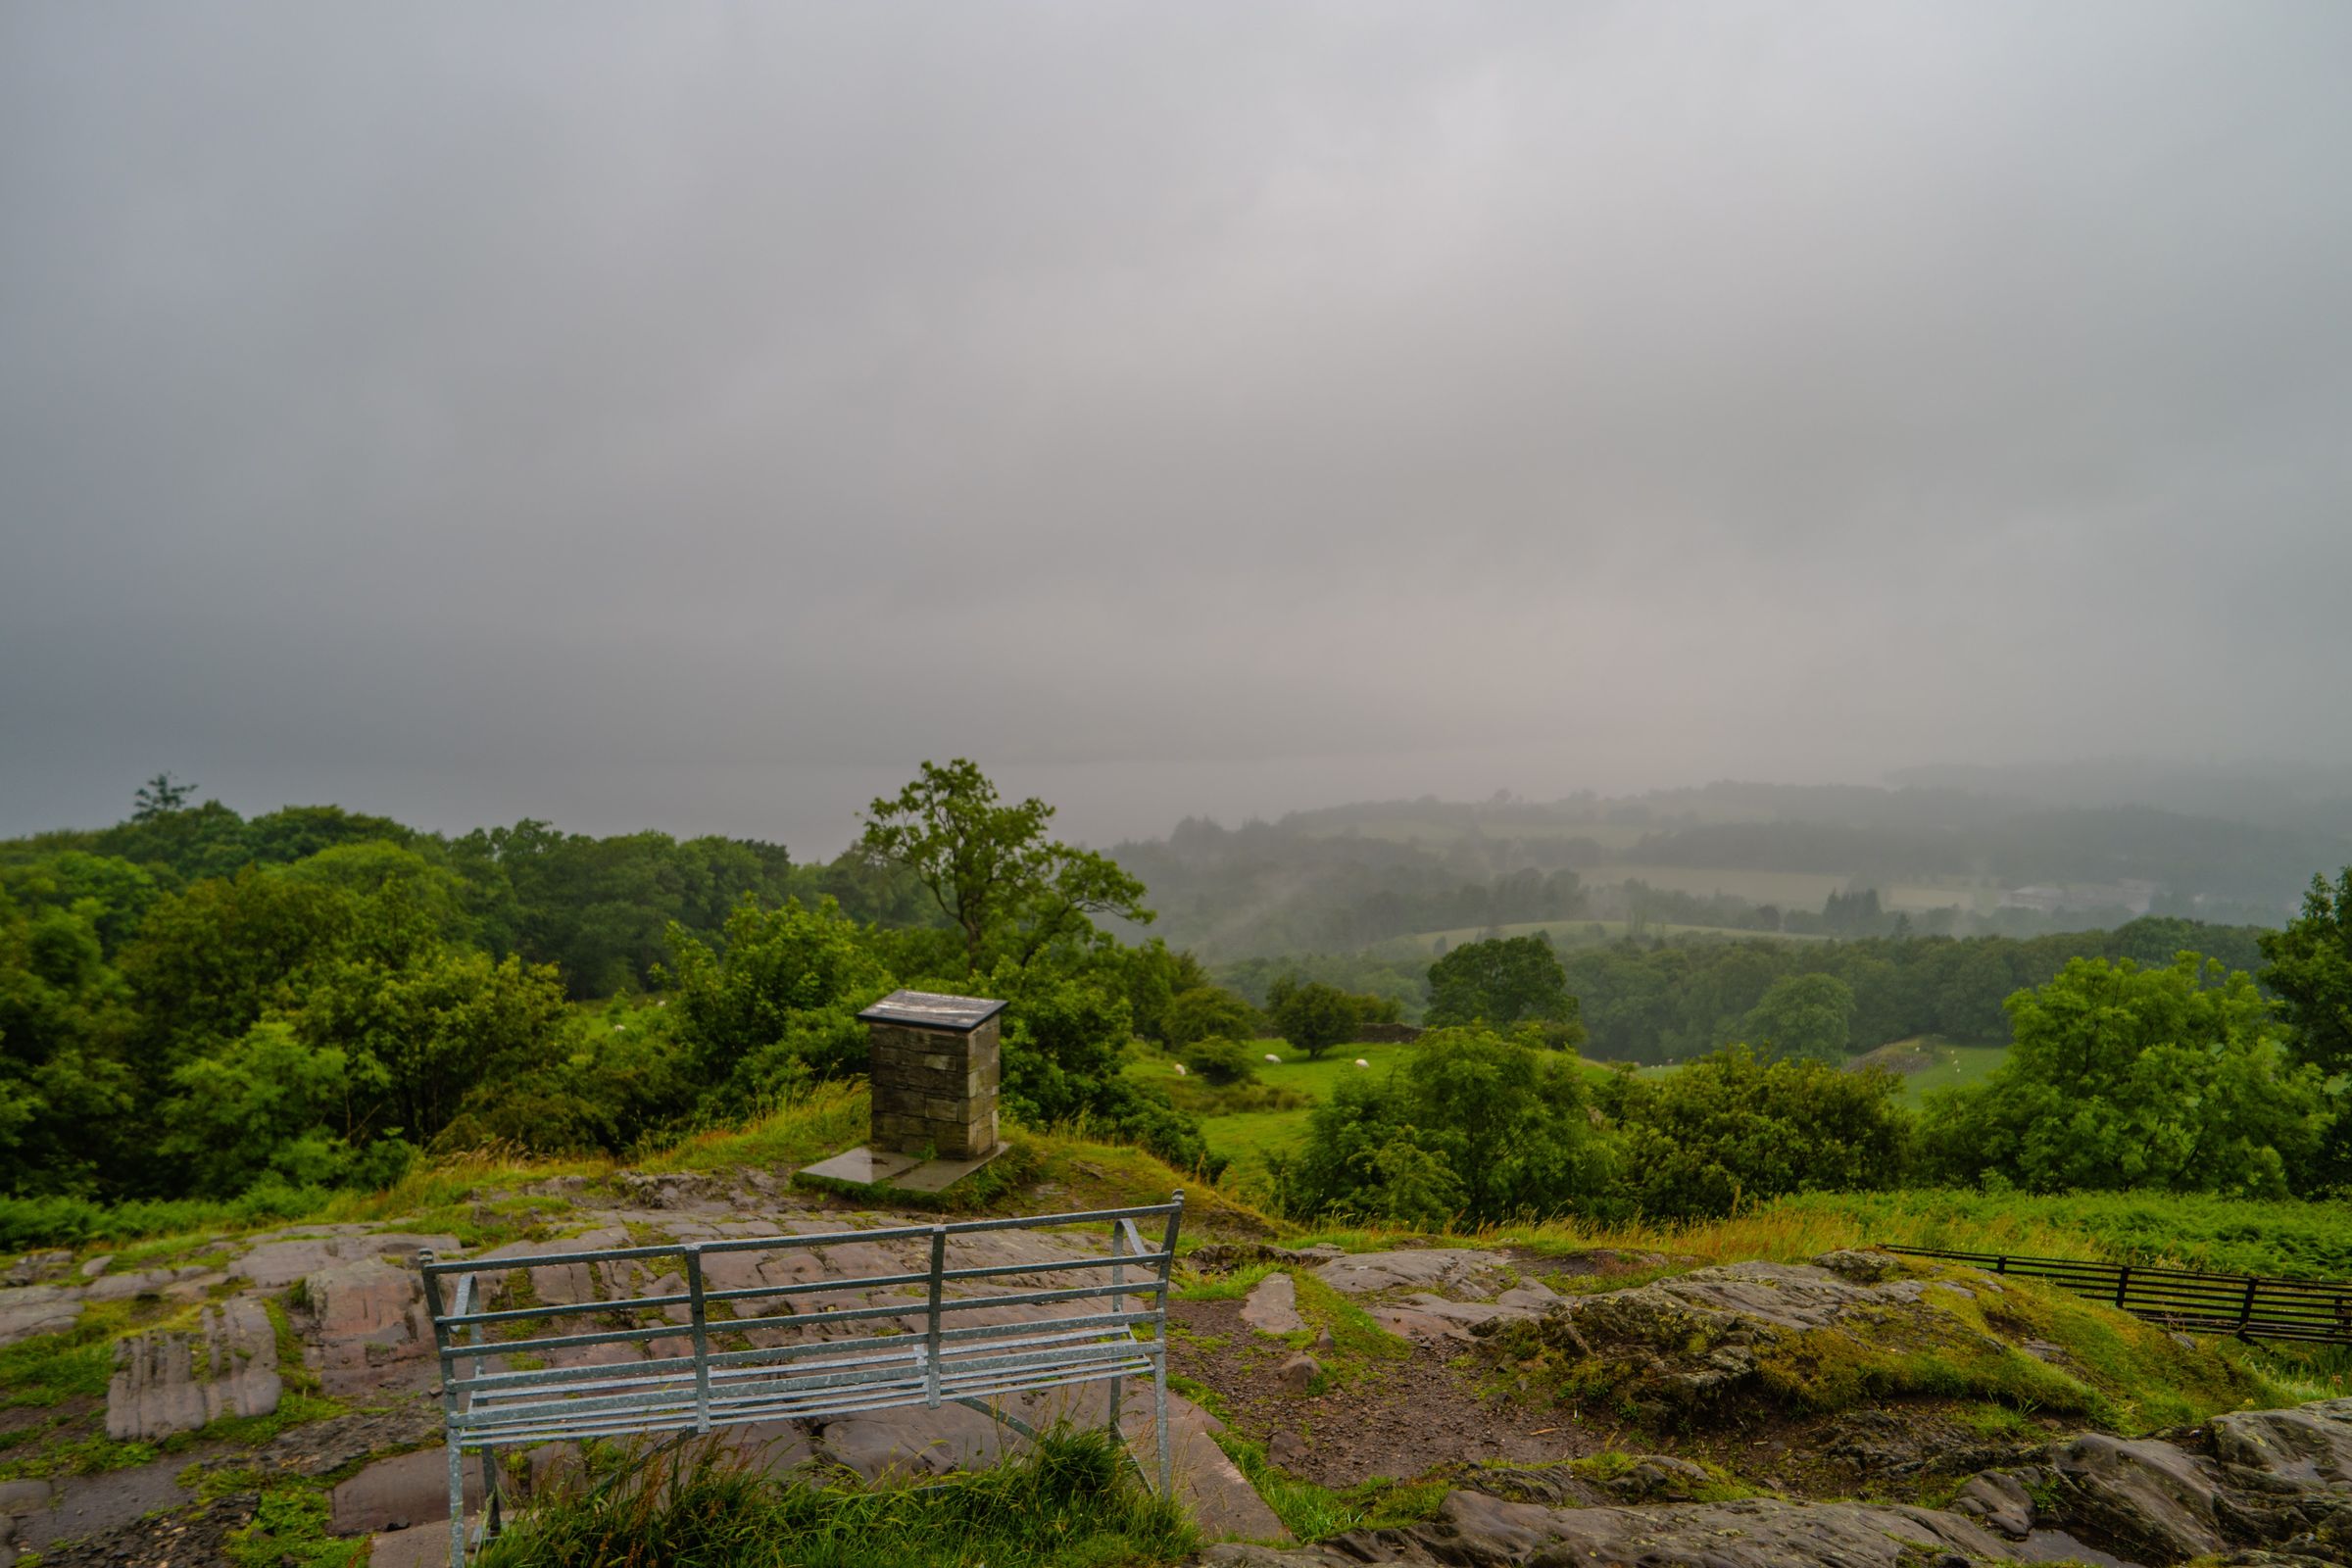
point(1787, 1332)
point(285, 1256)
point(168, 1381)
point(369, 1324)
point(1476, 1530)
point(2256, 1481)
point(1460, 1272)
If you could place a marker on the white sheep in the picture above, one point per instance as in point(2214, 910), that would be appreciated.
point(1180, 1069)
point(1361, 1062)
point(1277, 1060)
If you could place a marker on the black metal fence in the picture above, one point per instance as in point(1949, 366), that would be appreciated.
point(2252, 1305)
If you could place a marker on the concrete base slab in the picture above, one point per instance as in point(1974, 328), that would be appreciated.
point(879, 1168)
point(864, 1166)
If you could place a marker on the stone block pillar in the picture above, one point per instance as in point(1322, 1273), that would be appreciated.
point(936, 1064)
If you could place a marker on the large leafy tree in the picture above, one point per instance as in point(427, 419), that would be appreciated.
point(991, 865)
point(2310, 971)
point(1012, 891)
point(1315, 1016)
point(1807, 1016)
point(1498, 982)
point(2124, 1077)
point(1208, 1013)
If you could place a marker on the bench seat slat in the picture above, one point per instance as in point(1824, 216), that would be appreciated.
point(654, 1397)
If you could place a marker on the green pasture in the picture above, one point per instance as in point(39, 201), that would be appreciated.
point(1926, 1062)
point(1246, 1137)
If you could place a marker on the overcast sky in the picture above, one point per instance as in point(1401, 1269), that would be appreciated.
point(693, 416)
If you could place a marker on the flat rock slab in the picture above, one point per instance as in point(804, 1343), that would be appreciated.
point(136, 1282)
point(2310, 1445)
point(371, 1326)
point(168, 1381)
point(402, 1493)
point(916, 1442)
point(1273, 1306)
point(1754, 1533)
point(37, 1309)
point(1453, 1271)
point(275, 1264)
point(425, 1545)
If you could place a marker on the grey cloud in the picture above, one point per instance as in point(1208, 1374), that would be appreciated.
point(697, 415)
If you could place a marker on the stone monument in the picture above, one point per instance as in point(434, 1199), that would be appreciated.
point(935, 1068)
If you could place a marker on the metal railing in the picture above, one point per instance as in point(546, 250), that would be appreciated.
point(2250, 1306)
point(712, 1373)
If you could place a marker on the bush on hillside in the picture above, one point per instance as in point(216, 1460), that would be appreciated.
point(1733, 1127)
point(1469, 1128)
point(1223, 1062)
point(2124, 1077)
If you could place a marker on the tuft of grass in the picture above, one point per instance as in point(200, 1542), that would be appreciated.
point(1313, 1512)
point(49, 1369)
point(289, 1531)
point(1072, 1502)
point(1721, 1485)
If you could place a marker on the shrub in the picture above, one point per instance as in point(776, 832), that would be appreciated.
point(1732, 1126)
point(1073, 1501)
point(1470, 1127)
point(1223, 1062)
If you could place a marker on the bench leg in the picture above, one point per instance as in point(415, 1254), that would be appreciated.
point(1159, 1421)
point(457, 1504)
point(493, 1516)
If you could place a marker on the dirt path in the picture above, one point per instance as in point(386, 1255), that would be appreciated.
point(1399, 1419)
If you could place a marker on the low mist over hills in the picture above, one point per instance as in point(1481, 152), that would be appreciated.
point(1742, 857)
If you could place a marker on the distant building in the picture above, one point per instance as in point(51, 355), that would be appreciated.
point(2132, 895)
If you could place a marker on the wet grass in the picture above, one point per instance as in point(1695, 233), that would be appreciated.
point(1073, 1502)
point(1315, 1512)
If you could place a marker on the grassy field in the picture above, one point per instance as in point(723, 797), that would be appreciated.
point(1573, 933)
point(1926, 1062)
point(1791, 890)
point(1245, 1138)
point(1618, 836)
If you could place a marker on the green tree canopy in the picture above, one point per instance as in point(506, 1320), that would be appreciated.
point(1498, 982)
point(1012, 891)
point(774, 1004)
point(1808, 1015)
point(2310, 971)
point(1208, 1013)
point(1315, 1016)
point(1733, 1127)
point(2126, 1077)
point(1470, 1127)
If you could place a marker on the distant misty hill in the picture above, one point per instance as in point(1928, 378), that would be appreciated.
point(1800, 862)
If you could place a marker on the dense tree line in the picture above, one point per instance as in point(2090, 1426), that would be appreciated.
point(1663, 1001)
point(2178, 1076)
point(313, 998)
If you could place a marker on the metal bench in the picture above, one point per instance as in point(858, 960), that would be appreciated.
point(713, 1371)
